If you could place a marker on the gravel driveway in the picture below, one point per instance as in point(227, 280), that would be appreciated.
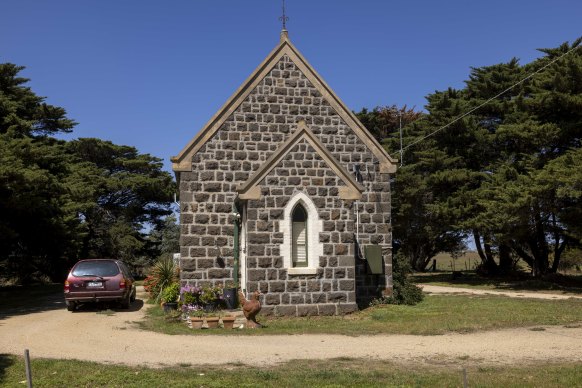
point(93, 336)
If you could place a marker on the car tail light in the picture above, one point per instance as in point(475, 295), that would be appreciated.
point(122, 284)
point(67, 288)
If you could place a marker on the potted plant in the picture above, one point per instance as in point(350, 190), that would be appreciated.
point(230, 296)
point(170, 295)
point(211, 298)
point(212, 321)
point(228, 321)
point(196, 317)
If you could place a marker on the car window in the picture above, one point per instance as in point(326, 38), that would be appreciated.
point(96, 268)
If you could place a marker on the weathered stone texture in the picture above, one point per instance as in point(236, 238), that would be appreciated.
point(243, 143)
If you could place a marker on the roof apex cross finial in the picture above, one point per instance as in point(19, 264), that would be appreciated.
point(284, 18)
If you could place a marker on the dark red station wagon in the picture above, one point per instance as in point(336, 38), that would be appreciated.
point(99, 280)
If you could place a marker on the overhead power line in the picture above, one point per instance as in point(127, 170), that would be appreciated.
point(486, 102)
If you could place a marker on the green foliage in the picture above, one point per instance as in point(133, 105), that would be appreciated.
point(163, 274)
point(404, 290)
point(211, 297)
point(419, 232)
point(508, 174)
point(571, 260)
point(61, 201)
point(171, 293)
point(23, 113)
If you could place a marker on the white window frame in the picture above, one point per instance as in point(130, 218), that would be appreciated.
point(314, 226)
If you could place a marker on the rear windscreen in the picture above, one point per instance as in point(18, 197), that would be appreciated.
point(96, 268)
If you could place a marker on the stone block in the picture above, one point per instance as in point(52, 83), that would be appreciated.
point(189, 241)
point(271, 274)
point(346, 285)
point(337, 297)
point(213, 230)
point(347, 308)
point(341, 249)
point(267, 311)
point(259, 238)
point(188, 265)
point(201, 218)
point(313, 286)
point(198, 252)
point(217, 273)
point(293, 286)
point(285, 311)
point(273, 299)
point(212, 187)
point(339, 273)
point(318, 297)
point(297, 299)
point(307, 310)
point(326, 309)
point(278, 286)
point(256, 274)
point(205, 263)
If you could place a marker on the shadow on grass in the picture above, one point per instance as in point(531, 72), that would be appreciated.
point(517, 282)
point(6, 361)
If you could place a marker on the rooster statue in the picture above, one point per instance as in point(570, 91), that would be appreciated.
point(250, 308)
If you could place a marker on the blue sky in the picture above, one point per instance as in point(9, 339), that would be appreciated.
point(151, 73)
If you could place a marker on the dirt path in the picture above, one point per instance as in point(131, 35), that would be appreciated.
point(512, 294)
point(114, 339)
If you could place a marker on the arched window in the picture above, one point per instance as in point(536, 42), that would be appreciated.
point(299, 236)
point(301, 248)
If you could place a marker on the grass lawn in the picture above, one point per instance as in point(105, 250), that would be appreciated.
point(304, 373)
point(563, 284)
point(437, 314)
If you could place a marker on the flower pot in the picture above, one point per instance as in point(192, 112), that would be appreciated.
point(196, 322)
point(212, 322)
point(169, 306)
point(230, 298)
point(228, 322)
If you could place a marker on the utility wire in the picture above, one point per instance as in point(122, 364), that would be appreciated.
point(488, 101)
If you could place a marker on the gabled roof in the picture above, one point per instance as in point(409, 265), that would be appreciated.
point(252, 190)
point(182, 162)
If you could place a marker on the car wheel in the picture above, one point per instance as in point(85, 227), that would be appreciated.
point(126, 302)
point(71, 306)
point(132, 299)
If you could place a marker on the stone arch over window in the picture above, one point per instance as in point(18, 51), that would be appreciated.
point(301, 225)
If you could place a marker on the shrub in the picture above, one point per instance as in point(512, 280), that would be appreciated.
point(162, 274)
point(571, 259)
point(171, 293)
point(405, 292)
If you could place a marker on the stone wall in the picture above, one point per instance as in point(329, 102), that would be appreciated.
point(245, 140)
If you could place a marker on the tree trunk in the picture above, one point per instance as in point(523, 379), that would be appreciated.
point(505, 261)
point(485, 254)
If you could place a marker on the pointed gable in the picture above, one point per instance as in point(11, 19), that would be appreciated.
point(285, 49)
point(251, 189)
